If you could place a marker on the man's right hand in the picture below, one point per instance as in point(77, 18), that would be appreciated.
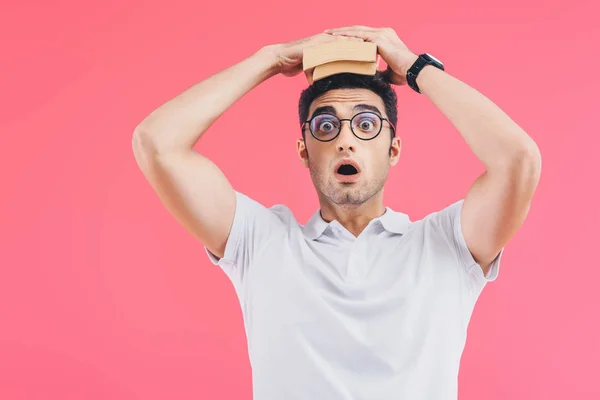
point(289, 55)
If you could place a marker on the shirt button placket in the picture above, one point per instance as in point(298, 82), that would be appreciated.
point(354, 262)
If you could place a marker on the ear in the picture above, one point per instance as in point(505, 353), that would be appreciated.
point(395, 148)
point(302, 152)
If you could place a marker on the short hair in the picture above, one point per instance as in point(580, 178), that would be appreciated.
point(378, 84)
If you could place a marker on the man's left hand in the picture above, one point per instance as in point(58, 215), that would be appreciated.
point(393, 51)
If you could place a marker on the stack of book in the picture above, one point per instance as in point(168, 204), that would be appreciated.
point(332, 58)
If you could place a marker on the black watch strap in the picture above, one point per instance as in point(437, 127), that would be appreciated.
point(423, 60)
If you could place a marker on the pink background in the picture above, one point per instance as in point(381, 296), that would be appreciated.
point(104, 296)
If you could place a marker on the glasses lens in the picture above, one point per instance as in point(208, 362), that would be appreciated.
point(325, 126)
point(366, 125)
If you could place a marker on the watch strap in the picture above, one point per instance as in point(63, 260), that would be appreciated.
point(417, 67)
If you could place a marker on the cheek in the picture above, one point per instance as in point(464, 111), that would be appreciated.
point(317, 157)
point(319, 165)
point(380, 157)
point(377, 168)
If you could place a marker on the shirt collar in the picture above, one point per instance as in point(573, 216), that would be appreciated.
point(391, 220)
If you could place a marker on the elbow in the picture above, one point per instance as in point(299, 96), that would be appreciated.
point(156, 139)
point(525, 167)
point(523, 164)
point(141, 148)
point(530, 159)
point(149, 139)
point(526, 156)
point(142, 141)
point(146, 147)
point(531, 167)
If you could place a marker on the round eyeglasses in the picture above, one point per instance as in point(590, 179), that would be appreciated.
point(364, 125)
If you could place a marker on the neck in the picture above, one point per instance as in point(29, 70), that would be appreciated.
point(353, 217)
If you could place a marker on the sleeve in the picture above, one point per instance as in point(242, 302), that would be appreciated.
point(253, 227)
point(450, 222)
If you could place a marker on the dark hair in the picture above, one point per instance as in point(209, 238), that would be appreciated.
point(378, 84)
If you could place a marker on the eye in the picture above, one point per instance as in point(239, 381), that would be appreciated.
point(367, 122)
point(326, 126)
point(366, 125)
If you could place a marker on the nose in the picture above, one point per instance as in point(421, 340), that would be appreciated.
point(346, 141)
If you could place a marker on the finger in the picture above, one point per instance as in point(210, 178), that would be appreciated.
point(333, 38)
point(348, 38)
point(351, 28)
point(365, 35)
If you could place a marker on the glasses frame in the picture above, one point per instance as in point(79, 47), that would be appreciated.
point(341, 120)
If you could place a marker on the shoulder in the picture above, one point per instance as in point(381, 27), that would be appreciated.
point(284, 214)
point(443, 219)
point(273, 212)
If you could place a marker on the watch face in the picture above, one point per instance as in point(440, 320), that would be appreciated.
point(433, 58)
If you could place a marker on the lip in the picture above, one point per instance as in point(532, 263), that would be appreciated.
point(346, 178)
point(345, 161)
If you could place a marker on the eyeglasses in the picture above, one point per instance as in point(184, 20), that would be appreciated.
point(364, 125)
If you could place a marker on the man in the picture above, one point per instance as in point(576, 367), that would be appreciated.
point(359, 303)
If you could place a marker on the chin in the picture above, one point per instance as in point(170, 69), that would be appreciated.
point(346, 194)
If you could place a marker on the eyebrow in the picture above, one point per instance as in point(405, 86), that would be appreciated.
point(358, 107)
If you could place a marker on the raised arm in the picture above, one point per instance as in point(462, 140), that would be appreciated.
point(193, 189)
point(498, 201)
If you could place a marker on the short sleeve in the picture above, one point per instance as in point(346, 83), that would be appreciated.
point(450, 222)
point(254, 225)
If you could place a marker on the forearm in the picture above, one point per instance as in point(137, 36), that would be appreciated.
point(492, 135)
point(179, 123)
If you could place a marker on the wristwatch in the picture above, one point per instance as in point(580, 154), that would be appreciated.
point(423, 60)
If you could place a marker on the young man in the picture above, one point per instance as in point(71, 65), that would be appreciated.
point(359, 303)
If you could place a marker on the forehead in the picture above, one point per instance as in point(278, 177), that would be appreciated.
point(343, 100)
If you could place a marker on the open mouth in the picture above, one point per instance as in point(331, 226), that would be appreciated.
point(347, 169)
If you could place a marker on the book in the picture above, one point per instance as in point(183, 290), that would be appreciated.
point(327, 59)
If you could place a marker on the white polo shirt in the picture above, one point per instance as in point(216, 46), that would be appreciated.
point(331, 316)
